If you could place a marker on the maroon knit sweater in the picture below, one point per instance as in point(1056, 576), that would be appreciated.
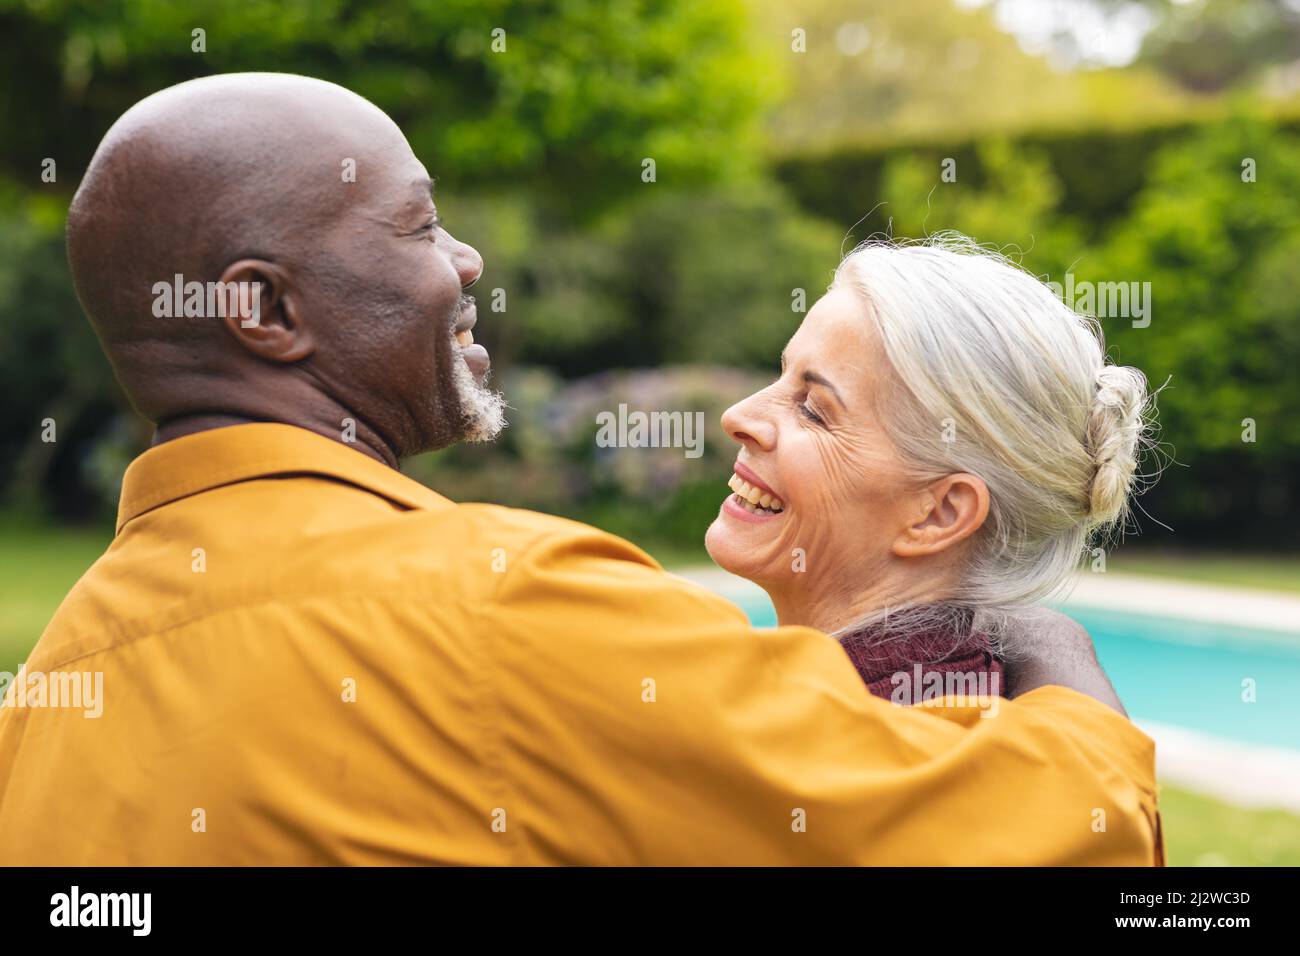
point(925, 664)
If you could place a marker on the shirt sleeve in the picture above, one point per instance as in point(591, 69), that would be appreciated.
point(641, 720)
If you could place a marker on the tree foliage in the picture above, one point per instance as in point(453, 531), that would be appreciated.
point(566, 98)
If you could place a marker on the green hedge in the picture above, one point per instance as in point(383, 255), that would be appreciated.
point(1101, 170)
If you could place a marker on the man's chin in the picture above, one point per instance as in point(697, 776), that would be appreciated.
point(483, 409)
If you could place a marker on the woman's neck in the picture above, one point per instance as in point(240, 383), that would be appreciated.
point(835, 605)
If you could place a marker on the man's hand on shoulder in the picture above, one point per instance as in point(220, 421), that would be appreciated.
point(1045, 647)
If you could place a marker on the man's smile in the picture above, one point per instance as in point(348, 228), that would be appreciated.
point(475, 355)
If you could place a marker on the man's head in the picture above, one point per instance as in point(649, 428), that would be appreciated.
point(313, 193)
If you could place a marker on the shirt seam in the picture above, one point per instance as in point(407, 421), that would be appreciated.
point(179, 491)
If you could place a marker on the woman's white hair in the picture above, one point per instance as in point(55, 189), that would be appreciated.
point(997, 377)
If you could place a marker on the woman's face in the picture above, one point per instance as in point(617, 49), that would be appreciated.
point(813, 439)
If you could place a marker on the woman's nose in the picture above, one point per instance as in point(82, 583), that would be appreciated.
point(748, 425)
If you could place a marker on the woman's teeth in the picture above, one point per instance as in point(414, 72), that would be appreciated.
point(465, 338)
point(754, 500)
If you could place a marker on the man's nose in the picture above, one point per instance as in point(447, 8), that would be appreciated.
point(467, 262)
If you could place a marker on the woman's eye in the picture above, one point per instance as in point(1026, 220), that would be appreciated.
point(809, 414)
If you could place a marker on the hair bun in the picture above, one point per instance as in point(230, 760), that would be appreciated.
point(1115, 429)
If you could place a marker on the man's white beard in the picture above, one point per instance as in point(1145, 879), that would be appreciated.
point(484, 409)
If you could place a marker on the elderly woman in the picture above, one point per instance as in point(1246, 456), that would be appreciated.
point(944, 442)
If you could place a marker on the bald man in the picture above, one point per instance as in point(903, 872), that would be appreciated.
point(293, 654)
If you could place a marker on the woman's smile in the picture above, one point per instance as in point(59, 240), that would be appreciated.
point(752, 499)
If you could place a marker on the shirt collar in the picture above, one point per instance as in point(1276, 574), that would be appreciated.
point(222, 456)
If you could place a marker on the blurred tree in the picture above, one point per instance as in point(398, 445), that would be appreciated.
point(1220, 253)
point(1009, 198)
point(1205, 46)
point(677, 276)
point(874, 71)
point(51, 369)
point(721, 276)
point(1208, 47)
point(565, 99)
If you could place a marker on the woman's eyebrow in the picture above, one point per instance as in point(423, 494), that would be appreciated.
point(817, 379)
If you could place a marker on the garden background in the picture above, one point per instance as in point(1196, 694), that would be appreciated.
point(1103, 138)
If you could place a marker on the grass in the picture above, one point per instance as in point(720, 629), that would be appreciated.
point(1274, 573)
point(1201, 831)
point(41, 563)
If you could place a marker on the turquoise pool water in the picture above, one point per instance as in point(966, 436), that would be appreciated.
point(1187, 673)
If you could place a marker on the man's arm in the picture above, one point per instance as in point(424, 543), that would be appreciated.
point(1045, 647)
point(631, 717)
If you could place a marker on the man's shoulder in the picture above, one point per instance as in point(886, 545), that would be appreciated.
point(522, 569)
point(459, 554)
point(405, 561)
point(528, 525)
point(501, 536)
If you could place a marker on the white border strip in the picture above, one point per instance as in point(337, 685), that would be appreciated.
point(1239, 607)
point(1248, 775)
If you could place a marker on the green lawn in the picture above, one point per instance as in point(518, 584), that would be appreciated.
point(42, 563)
point(1273, 572)
point(1200, 831)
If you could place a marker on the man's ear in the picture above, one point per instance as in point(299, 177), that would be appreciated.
point(951, 510)
point(263, 316)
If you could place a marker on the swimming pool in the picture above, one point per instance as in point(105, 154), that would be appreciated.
point(1181, 672)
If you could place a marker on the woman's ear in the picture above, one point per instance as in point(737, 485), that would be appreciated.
point(950, 511)
point(263, 316)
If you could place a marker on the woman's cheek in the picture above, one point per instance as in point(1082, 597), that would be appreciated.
point(840, 494)
point(806, 542)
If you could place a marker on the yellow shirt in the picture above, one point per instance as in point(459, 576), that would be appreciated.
point(308, 658)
